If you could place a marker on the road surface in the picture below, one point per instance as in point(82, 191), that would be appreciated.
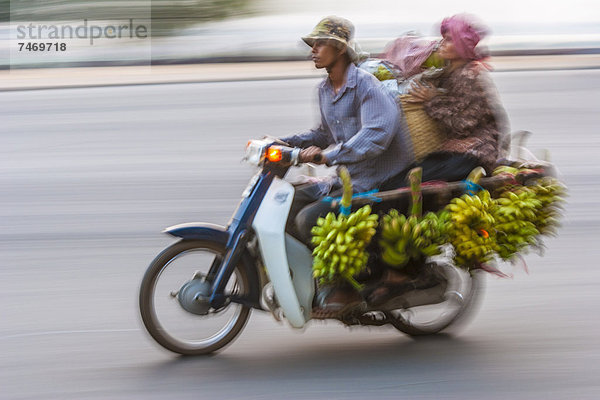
point(90, 176)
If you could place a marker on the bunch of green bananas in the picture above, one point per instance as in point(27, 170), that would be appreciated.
point(549, 191)
point(514, 171)
point(505, 169)
point(340, 242)
point(383, 74)
point(516, 212)
point(415, 237)
point(470, 228)
point(340, 245)
point(434, 60)
point(403, 239)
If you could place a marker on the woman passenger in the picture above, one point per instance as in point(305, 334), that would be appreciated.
point(465, 104)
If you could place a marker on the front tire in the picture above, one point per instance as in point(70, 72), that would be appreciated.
point(165, 319)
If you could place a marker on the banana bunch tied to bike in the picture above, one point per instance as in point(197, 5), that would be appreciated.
point(516, 212)
point(550, 192)
point(340, 241)
point(410, 238)
point(531, 210)
point(414, 237)
point(471, 229)
point(507, 225)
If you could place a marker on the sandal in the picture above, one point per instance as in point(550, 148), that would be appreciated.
point(335, 302)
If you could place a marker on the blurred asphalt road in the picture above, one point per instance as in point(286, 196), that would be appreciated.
point(90, 176)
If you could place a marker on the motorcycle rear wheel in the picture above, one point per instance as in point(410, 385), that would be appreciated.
point(459, 306)
point(163, 316)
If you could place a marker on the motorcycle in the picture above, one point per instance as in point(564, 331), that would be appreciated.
point(196, 296)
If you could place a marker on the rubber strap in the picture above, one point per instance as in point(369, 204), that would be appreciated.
point(367, 195)
point(345, 210)
point(471, 187)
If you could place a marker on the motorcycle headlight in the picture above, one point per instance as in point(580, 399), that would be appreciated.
point(259, 151)
point(256, 151)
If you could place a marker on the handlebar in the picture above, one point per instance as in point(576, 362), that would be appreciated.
point(291, 155)
point(274, 151)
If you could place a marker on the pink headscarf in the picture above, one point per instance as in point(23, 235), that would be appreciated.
point(466, 32)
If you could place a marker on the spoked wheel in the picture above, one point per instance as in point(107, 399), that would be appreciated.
point(177, 278)
point(463, 294)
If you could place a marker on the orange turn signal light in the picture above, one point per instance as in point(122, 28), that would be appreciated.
point(274, 154)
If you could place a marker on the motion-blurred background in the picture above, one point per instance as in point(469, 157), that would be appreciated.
point(104, 145)
point(244, 30)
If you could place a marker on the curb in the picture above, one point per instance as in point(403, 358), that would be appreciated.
point(87, 77)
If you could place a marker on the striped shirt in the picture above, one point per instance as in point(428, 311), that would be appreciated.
point(362, 128)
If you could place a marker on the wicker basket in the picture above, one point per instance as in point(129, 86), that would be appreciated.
point(427, 137)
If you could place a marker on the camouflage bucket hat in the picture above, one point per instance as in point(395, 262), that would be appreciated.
point(336, 29)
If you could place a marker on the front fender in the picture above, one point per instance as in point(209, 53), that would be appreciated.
point(199, 231)
point(219, 234)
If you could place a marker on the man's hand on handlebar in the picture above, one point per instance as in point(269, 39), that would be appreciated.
point(312, 154)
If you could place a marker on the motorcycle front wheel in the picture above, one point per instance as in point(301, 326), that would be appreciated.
point(461, 300)
point(168, 322)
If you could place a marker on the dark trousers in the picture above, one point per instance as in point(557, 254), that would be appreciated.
point(308, 205)
point(446, 167)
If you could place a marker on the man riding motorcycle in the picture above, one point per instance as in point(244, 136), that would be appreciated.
point(361, 128)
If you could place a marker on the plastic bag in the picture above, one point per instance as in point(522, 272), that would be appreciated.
point(382, 69)
point(408, 54)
